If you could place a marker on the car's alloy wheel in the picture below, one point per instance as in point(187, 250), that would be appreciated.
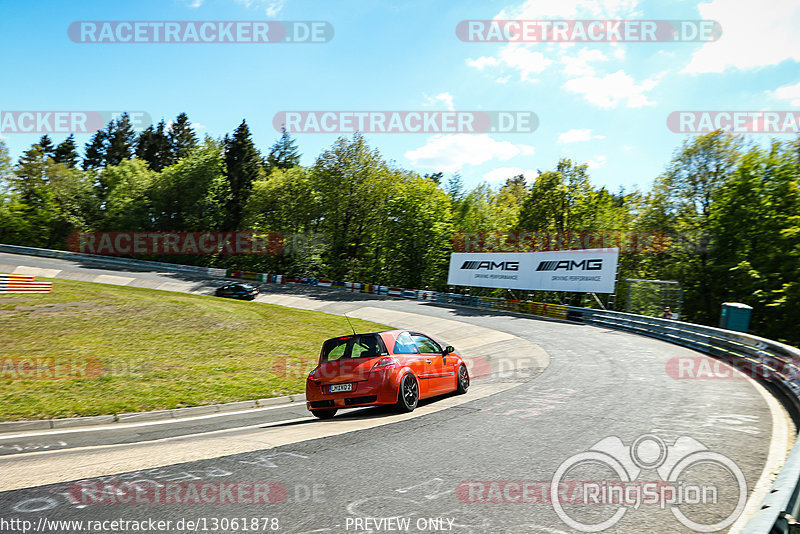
point(324, 414)
point(408, 396)
point(463, 380)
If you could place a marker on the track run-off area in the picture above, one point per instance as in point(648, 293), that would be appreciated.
point(549, 391)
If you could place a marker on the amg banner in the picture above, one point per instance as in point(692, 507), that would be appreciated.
point(590, 270)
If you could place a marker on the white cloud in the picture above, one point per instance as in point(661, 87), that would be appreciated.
point(271, 7)
point(445, 98)
point(613, 89)
point(789, 92)
point(482, 62)
point(525, 61)
point(598, 161)
point(752, 35)
point(450, 153)
point(538, 9)
point(627, 148)
point(579, 65)
point(503, 173)
point(578, 135)
point(195, 3)
point(517, 57)
point(503, 79)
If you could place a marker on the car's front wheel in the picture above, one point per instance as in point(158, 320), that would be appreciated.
point(408, 396)
point(324, 414)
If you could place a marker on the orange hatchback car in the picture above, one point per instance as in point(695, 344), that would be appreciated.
point(396, 367)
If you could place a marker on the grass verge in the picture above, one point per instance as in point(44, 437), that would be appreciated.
point(92, 349)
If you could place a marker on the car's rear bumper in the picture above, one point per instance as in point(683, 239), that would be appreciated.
point(376, 390)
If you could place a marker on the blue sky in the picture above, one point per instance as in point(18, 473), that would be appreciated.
point(601, 103)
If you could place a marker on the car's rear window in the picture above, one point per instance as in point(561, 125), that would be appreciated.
point(357, 346)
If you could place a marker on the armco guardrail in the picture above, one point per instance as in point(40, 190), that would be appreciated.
point(62, 254)
point(777, 363)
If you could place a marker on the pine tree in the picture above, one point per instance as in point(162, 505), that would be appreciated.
point(182, 137)
point(153, 146)
point(243, 166)
point(96, 150)
point(67, 152)
point(121, 138)
point(46, 146)
point(283, 154)
point(31, 175)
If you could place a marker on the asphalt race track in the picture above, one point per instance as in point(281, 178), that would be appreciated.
point(457, 464)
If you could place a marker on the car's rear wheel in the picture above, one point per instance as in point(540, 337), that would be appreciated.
point(463, 380)
point(324, 414)
point(408, 396)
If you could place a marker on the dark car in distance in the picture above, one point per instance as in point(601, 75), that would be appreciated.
point(237, 291)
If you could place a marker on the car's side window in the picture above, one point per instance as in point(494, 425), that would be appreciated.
point(405, 345)
point(426, 345)
point(366, 347)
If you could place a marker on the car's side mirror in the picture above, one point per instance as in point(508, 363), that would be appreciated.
point(448, 349)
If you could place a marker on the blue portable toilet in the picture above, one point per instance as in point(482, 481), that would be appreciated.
point(735, 316)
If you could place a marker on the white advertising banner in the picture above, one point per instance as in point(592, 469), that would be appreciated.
point(585, 271)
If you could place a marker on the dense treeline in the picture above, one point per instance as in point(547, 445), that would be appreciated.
point(731, 210)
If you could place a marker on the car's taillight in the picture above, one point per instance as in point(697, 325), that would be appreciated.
point(312, 378)
point(384, 363)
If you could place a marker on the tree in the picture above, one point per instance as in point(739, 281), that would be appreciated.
point(559, 200)
point(242, 167)
point(121, 139)
point(153, 145)
point(126, 203)
point(67, 152)
point(697, 172)
point(96, 150)
point(283, 154)
point(191, 194)
point(414, 238)
point(353, 183)
point(182, 138)
point(46, 146)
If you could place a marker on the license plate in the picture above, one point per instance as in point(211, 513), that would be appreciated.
point(336, 388)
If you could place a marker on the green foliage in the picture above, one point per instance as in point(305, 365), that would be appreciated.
point(730, 211)
point(243, 167)
point(283, 154)
point(191, 194)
